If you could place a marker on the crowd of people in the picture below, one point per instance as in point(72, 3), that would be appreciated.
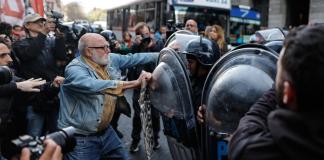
point(48, 91)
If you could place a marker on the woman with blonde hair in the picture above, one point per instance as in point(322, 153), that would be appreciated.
point(216, 34)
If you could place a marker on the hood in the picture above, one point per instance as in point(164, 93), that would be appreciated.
point(299, 136)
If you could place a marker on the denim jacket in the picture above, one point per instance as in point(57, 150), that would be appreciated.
point(81, 94)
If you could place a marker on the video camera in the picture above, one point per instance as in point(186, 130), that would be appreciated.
point(58, 16)
point(146, 39)
point(63, 137)
point(71, 38)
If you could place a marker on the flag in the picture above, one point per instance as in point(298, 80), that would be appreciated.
point(12, 11)
point(38, 6)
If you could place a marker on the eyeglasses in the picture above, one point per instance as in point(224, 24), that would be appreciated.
point(190, 25)
point(101, 47)
point(2, 55)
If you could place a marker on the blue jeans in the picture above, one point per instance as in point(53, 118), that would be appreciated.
point(39, 122)
point(35, 122)
point(106, 146)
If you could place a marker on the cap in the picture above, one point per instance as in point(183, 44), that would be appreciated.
point(33, 18)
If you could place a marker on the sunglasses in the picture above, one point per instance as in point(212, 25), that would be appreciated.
point(2, 55)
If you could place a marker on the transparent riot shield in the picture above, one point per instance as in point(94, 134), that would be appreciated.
point(170, 93)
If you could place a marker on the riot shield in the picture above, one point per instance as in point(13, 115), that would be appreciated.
point(275, 45)
point(234, 83)
point(170, 93)
point(273, 34)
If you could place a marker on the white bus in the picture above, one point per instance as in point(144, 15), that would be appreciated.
point(164, 12)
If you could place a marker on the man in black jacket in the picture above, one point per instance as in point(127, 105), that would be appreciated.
point(39, 56)
point(287, 123)
point(14, 92)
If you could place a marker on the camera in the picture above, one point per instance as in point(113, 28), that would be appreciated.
point(112, 43)
point(146, 39)
point(63, 137)
point(57, 16)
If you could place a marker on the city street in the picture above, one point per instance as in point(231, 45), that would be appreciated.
point(125, 126)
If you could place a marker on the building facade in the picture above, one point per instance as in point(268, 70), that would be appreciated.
point(286, 13)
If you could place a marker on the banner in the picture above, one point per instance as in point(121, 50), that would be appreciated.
point(221, 4)
point(12, 11)
point(38, 6)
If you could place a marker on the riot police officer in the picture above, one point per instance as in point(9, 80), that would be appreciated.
point(201, 54)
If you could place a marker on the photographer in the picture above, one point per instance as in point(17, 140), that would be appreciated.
point(57, 36)
point(58, 30)
point(40, 57)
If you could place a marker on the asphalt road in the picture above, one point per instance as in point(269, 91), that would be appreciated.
point(125, 126)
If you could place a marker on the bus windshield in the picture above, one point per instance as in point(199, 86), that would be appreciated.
point(204, 16)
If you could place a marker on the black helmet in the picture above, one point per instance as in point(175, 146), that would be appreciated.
point(78, 30)
point(109, 35)
point(206, 51)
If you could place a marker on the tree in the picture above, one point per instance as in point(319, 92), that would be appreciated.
point(97, 15)
point(74, 11)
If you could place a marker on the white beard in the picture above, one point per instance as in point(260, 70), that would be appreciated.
point(100, 60)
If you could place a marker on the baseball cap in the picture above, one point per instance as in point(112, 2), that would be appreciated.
point(33, 18)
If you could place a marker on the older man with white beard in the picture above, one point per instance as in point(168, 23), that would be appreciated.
point(88, 97)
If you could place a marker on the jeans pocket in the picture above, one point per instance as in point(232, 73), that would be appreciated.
point(80, 141)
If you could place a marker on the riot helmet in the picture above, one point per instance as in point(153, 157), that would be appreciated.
point(204, 50)
point(78, 30)
point(109, 35)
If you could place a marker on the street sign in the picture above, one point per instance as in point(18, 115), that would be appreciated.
point(245, 13)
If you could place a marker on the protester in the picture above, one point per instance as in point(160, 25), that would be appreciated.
point(17, 33)
point(191, 25)
point(216, 34)
point(161, 34)
point(88, 97)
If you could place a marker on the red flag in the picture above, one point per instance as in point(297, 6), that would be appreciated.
point(38, 6)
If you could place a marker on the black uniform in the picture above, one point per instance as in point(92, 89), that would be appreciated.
point(267, 132)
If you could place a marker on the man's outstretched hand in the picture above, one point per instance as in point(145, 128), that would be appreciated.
point(30, 85)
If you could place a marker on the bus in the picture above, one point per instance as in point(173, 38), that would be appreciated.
point(171, 13)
